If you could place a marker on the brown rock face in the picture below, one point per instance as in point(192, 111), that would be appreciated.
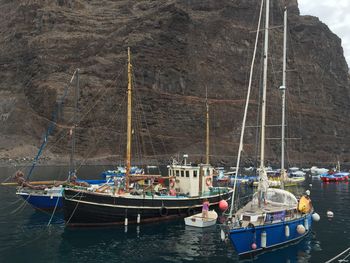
point(179, 48)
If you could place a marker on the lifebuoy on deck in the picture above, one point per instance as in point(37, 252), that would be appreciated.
point(172, 183)
point(208, 181)
point(163, 211)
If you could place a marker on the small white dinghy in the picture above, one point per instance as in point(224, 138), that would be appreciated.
point(198, 220)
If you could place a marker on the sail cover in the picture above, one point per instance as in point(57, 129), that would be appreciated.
point(278, 197)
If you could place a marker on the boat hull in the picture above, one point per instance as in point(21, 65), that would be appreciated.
point(43, 201)
point(243, 238)
point(93, 209)
point(198, 221)
point(49, 198)
point(337, 177)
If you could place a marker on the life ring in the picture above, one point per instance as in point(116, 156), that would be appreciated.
point(172, 183)
point(208, 181)
point(163, 211)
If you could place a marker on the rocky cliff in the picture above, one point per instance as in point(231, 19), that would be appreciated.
point(180, 49)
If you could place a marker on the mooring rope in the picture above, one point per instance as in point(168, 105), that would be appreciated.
point(75, 208)
point(12, 203)
point(54, 210)
point(21, 206)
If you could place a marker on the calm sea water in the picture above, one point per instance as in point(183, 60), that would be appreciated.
point(25, 236)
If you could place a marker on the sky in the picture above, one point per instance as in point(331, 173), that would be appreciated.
point(335, 14)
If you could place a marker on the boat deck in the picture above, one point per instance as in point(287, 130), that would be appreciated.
point(252, 213)
point(264, 208)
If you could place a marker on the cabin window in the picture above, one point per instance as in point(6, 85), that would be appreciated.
point(177, 172)
point(194, 173)
point(182, 174)
point(170, 172)
point(187, 173)
point(246, 218)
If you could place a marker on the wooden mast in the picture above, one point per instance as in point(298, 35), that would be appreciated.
point(201, 171)
point(128, 144)
point(207, 118)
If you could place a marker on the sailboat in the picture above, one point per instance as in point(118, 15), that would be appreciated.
point(47, 195)
point(189, 185)
point(273, 217)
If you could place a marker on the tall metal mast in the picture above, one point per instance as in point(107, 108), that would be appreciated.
point(263, 104)
point(128, 143)
point(283, 90)
point(263, 180)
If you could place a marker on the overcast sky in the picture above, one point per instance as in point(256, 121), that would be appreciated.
point(335, 14)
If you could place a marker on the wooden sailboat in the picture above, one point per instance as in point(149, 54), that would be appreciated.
point(273, 217)
point(188, 186)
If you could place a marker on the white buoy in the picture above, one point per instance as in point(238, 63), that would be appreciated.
point(126, 221)
point(263, 239)
point(306, 224)
point(222, 235)
point(286, 231)
point(301, 229)
point(330, 214)
point(316, 217)
point(138, 218)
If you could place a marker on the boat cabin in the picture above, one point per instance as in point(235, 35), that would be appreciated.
point(279, 205)
point(191, 180)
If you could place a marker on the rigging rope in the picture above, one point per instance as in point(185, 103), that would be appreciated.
point(50, 129)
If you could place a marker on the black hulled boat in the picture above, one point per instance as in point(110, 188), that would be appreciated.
point(183, 197)
point(188, 186)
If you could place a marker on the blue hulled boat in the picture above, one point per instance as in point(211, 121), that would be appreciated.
point(50, 197)
point(275, 221)
point(46, 199)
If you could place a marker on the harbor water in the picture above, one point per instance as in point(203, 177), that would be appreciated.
point(28, 235)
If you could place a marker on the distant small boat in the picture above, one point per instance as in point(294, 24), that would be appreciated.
point(315, 170)
point(335, 177)
point(198, 220)
point(297, 173)
point(276, 181)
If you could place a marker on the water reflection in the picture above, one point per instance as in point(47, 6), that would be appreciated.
point(299, 252)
